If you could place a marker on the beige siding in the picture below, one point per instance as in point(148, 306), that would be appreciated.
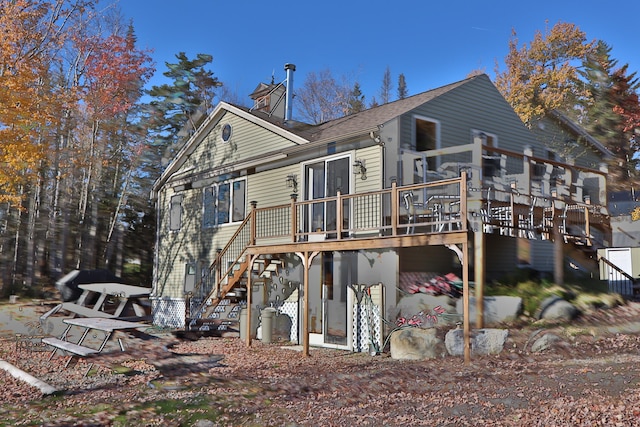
point(372, 157)
point(269, 188)
point(248, 140)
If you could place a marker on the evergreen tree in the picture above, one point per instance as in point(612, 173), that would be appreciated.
point(402, 87)
point(178, 107)
point(356, 100)
point(610, 99)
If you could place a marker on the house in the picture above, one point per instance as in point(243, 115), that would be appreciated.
point(333, 225)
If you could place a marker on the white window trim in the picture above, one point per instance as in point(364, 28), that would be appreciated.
point(171, 198)
point(475, 132)
point(215, 218)
point(426, 119)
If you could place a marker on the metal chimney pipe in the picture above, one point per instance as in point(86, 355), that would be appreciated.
point(288, 107)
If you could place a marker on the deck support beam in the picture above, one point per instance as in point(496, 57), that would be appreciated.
point(479, 274)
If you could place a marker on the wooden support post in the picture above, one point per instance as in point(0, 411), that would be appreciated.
point(294, 217)
point(465, 303)
point(339, 214)
point(479, 274)
point(394, 208)
point(254, 206)
point(305, 307)
point(558, 252)
point(249, 302)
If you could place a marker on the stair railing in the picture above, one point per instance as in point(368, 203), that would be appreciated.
point(229, 256)
point(619, 281)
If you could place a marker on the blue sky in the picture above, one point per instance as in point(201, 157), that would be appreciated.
point(431, 43)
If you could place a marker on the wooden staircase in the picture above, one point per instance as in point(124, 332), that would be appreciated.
point(219, 312)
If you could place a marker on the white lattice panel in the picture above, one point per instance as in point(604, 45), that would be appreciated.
point(168, 313)
point(367, 327)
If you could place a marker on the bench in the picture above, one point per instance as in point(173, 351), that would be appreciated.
point(84, 311)
point(76, 349)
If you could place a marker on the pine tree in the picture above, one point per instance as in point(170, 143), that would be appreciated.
point(178, 107)
point(356, 100)
point(610, 100)
point(402, 87)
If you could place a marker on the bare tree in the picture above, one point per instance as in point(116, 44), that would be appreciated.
point(387, 86)
point(322, 98)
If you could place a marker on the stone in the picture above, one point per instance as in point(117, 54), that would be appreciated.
point(556, 308)
point(545, 342)
point(483, 341)
point(415, 344)
point(497, 309)
point(489, 341)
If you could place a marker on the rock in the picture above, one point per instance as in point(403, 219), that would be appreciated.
point(415, 344)
point(489, 341)
point(556, 308)
point(497, 309)
point(545, 342)
point(483, 341)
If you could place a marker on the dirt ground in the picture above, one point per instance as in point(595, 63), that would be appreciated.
point(589, 378)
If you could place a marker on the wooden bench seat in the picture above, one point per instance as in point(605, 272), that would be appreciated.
point(85, 311)
point(79, 350)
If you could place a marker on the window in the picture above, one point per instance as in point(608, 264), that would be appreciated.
point(224, 203)
point(175, 213)
point(260, 102)
point(226, 132)
point(426, 134)
point(485, 138)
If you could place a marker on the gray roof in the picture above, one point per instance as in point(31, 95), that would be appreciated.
point(364, 120)
point(578, 130)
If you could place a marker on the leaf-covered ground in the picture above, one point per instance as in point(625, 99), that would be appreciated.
point(589, 378)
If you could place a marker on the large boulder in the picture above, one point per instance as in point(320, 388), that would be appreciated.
point(556, 308)
point(483, 341)
point(416, 344)
point(497, 309)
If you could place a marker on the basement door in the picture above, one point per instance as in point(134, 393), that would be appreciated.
point(331, 321)
point(621, 258)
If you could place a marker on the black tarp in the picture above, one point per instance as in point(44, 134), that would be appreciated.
point(68, 284)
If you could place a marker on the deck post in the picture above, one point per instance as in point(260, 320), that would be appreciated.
point(465, 303)
point(394, 208)
point(294, 217)
point(339, 214)
point(558, 252)
point(252, 238)
point(249, 292)
point(479, 273)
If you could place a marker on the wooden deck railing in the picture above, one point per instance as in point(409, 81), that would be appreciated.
point(433, 207)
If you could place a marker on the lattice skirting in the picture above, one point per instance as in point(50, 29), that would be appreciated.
point(291, 309)
point(367, 334)
point(168, 312)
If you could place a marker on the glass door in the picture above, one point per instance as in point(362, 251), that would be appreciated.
point(324, 179)
point(330, 323)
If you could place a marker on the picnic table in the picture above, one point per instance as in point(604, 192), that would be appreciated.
point(88, 305)
point(106, 325)
point(125, 293)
